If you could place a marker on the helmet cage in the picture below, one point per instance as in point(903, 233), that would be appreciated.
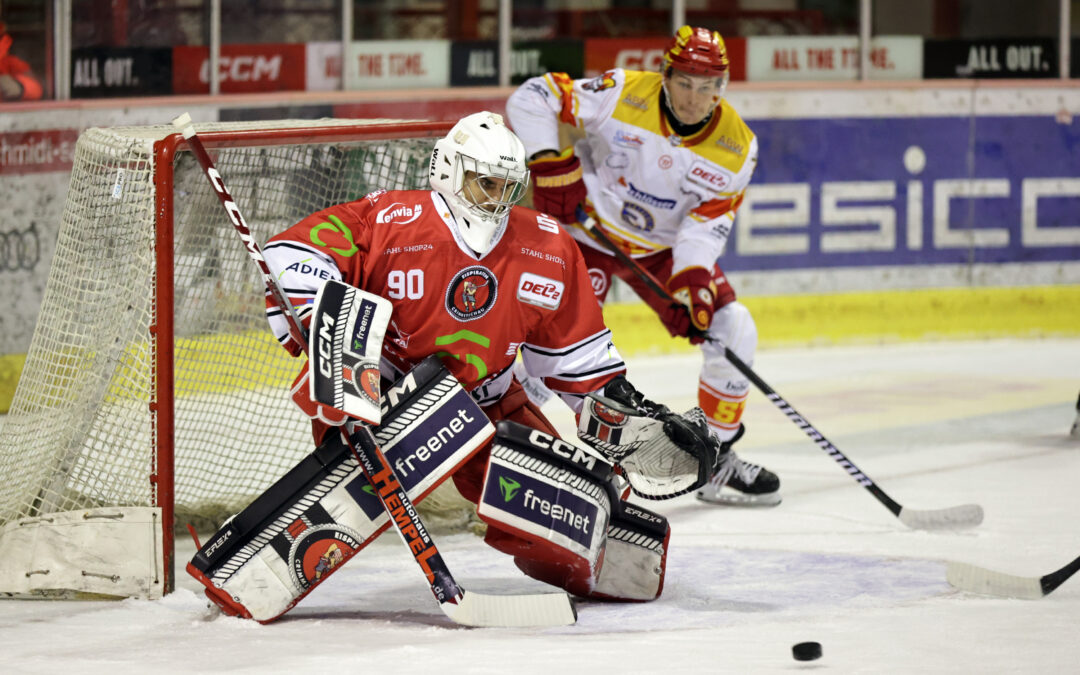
point(476, 198)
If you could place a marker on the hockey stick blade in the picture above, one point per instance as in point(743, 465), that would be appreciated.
point(952, 518)
point(967, 515)
point(979, 580)
point(479, 610)
point(512, 611)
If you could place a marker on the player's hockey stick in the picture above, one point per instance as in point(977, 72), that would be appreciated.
point(975, 579)
point(966, 515)
point(464, 607)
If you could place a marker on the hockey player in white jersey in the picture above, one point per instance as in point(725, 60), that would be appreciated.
point(662, 168)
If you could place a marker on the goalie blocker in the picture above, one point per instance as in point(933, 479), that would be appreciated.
point(571, 530)
point(323, 511)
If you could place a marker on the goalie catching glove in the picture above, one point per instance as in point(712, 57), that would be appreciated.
point(662, 454)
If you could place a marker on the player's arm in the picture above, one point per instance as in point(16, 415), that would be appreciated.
point(701, 240)
point(321, 247)
point(326, 245)
point(535, 110)
point(571, 349)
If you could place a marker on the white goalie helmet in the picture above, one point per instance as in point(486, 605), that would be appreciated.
point(480, 169)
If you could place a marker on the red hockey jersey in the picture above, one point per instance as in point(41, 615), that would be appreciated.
point(531, 292)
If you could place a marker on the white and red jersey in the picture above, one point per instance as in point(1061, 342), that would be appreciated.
point(651, 189)
point(475, 312)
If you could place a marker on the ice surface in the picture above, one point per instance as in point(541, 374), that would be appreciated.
point(935, 424)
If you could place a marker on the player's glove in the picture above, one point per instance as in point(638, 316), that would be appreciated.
point(557, 185)
point(302, 398)
point(695, 289)
point(676, 318)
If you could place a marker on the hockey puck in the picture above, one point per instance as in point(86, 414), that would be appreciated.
point(806, 651)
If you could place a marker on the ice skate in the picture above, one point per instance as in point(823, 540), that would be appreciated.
point(737, 482)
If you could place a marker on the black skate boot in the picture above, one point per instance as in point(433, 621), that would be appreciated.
point(736, 482)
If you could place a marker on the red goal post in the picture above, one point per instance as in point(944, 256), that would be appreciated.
point(154, 394)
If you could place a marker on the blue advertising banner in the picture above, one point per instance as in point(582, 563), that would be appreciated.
point(863, 192)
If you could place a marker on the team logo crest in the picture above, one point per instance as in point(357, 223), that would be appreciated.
point(471, 293)
point(597, 84)
point(320, 550)
point(367, 381)
point(609, 416)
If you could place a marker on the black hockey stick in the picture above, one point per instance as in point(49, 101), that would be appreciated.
point(966, 515)
point(975, 579)
point(464, 607)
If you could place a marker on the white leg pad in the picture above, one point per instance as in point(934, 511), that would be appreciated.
point(635, 555)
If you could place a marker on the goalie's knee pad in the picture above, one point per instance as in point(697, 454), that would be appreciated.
point(554, 508)
point(635, 555)
point(554, 501)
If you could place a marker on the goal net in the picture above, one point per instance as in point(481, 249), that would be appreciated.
point(154, 394)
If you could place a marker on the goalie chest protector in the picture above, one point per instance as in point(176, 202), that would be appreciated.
point(323, 511)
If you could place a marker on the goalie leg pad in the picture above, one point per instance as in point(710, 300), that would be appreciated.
point(516, 406)
point(547, 503)
point(323, 511)
point(635, 556)
point(555, 510)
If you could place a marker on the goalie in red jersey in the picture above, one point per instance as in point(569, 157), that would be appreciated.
point(475, 280)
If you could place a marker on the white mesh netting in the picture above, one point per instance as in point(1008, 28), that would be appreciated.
point(80, 432)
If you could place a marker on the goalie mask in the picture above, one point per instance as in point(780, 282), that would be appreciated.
point(479, 168)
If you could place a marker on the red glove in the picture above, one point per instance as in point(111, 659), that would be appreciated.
point(676, 318)
point(695, 289)
point(318, 412)
point(557, 185)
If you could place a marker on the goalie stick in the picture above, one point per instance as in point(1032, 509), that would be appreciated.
point(965, 515)
point(464, 607)
point(975, 579)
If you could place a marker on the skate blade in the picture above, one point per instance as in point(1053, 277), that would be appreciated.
point(732, 498)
